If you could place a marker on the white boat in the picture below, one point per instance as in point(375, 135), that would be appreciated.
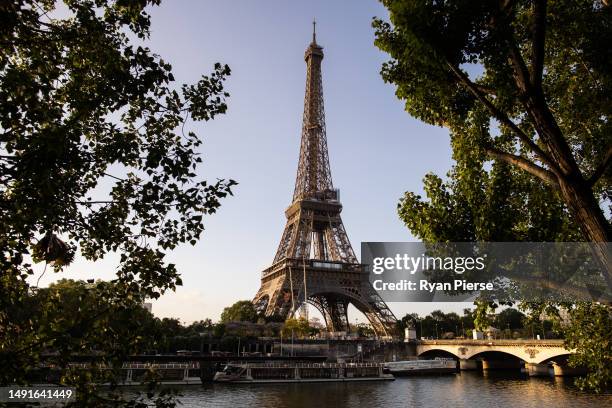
point(421, 367)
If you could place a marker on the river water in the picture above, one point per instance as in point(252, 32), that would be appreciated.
point(464, 390)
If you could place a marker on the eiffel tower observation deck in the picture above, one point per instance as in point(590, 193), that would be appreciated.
point(314, 262)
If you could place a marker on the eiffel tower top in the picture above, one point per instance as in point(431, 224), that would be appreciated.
point(314, 48)
point(314, 31)
point(313, 174)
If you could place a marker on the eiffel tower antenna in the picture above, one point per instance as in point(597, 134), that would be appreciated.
point(314, 31)
point(314, 242)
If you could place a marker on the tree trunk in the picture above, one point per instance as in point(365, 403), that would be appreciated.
point(575, 190)
point(585, 209)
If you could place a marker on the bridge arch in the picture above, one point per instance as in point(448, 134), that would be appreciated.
point(438, 353)
point(562, 357)
point(495, 354)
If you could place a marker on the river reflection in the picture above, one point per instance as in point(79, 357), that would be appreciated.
point(465, 390)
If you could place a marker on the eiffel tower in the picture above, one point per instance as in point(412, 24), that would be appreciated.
point(315, 262)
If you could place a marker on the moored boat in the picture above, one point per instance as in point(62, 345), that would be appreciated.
point(167, 374)
point(300, 372)
point(421, 367)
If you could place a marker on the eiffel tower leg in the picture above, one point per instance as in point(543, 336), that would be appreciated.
point(377, 312)
point(318, 304)
point(334, 311)
point(282, 303)
point(274, 298)
point(261, 301)
point(338, 313)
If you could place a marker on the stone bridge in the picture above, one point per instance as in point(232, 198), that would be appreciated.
point(494, 354)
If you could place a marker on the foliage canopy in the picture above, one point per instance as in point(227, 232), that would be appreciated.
point(95, 157)
point(241, 311)
point(525, 89)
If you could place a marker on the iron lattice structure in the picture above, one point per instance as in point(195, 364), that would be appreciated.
point(315, 262)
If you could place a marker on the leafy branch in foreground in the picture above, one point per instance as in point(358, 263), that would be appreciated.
point(589, 333)
point(94, 157)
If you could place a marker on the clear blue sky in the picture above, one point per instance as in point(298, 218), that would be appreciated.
point(377, 150)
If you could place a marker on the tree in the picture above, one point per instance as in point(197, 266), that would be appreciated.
point(437, 323)
point(466, 321)
point(95, 157)
point(202, 326)
point(69, 305)
point(509, 318)
point(241, 311)
point(541, 106)
point(482, 315)
point(592, 344)
point(295, 327)
point(410, 320)
point(530, 135)
point(365, 330)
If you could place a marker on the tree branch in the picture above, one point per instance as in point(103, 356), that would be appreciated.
point(601, 169)
point(115, 177)
point(486, 89)
point(501, 116)
point(506, 5)
point(562, 161)
point(521, 72)
point(565, 287)
point(521, 162)
point(539, 34)
point(95, 202)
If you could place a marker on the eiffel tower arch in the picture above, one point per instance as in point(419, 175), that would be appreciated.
point(315, 262)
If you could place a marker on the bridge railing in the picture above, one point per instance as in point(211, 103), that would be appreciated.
point(500, 342)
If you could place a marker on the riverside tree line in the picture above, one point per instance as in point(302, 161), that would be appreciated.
point(78, 300)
